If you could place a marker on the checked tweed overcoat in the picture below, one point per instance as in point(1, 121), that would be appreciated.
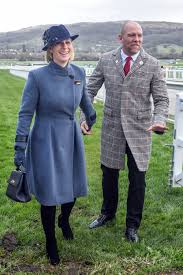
point(132, 103)
point(55, 161)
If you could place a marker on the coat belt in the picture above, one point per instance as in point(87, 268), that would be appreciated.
point(56, 116)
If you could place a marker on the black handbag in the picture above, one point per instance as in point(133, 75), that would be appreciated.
point(17, 188)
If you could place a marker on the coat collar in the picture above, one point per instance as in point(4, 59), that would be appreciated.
point(60, 71)
point(139, 62)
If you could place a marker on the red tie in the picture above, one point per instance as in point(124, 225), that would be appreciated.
point(127, 65)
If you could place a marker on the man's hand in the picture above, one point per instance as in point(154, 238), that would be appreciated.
point(85, 129)
point(157, 128)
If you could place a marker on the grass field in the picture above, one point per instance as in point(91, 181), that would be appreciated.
point(104, 250)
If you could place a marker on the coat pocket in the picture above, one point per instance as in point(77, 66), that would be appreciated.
point(108, 120)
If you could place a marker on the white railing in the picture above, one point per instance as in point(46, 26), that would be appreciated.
point(174, 75)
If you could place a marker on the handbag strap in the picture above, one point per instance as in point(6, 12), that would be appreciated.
point(19, 138)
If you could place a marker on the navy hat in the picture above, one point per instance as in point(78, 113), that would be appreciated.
point(56, 34)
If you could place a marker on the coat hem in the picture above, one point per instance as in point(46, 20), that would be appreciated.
point(46, 203)
point(121, 167)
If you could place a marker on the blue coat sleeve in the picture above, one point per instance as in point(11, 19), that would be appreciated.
point(28, 106)
point(87, 107)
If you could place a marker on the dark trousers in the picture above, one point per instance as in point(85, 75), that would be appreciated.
point(136, 191)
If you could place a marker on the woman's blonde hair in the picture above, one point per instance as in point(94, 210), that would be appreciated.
point(49, 55)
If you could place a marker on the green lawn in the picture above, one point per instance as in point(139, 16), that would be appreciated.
point(104, 250)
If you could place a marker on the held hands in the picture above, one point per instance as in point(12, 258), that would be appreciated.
point(19, 157)
point(157, 128)
point(85, 129)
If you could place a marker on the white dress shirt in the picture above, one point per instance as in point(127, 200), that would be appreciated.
point(124, 56)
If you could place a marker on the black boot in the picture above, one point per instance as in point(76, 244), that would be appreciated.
point(63, 220)
point(48, 222)
point(52, 252)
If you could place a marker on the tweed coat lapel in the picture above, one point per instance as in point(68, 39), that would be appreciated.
point(118, 61)
point(139, 62)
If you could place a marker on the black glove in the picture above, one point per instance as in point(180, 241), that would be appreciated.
point(91, 120)
point(20, 146)
point(19, 157)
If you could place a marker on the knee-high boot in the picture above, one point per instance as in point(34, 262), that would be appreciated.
point(48, 222)
point(63, 220)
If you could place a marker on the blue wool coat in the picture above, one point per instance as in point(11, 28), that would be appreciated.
point(55, 162)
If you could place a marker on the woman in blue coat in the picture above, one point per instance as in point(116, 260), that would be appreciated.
point(52, 151)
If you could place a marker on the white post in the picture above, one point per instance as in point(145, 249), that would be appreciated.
point(174, 75)
point(177, 160)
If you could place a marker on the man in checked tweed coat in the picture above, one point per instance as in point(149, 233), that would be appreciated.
point(128, 122)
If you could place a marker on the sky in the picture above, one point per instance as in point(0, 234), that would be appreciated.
point(18, 14)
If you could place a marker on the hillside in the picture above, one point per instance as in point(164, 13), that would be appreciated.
point(162, 39)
